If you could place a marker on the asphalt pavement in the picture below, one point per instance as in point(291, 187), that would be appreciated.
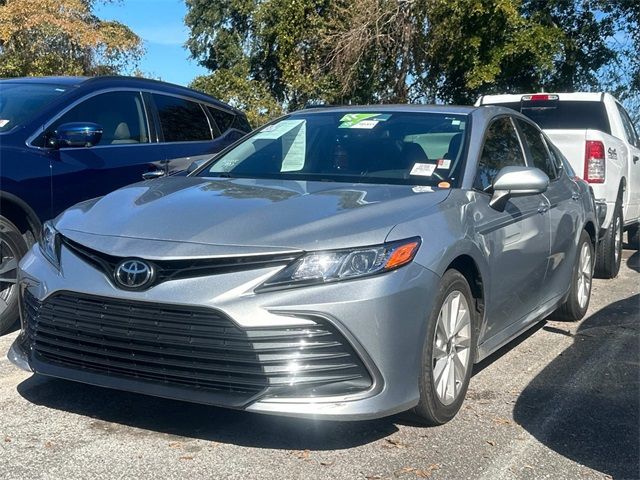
point(561, 402)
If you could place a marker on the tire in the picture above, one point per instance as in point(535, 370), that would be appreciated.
point(440, 403)
point(610, 248)
point(577, 303)
point(12, 249)
point(633, 235)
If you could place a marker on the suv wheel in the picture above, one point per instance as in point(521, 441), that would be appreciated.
point(448, 352)
point(610, 247)
point(12, 249)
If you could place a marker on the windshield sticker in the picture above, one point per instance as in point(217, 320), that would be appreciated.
point(294, 143)
point(362, 120)
point(3, 122)
point(277, 130)
point(423, 169)
point(422, 189)
point(444, 164)
point(455, 122)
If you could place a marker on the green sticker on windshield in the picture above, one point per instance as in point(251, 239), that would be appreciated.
point(362, 120)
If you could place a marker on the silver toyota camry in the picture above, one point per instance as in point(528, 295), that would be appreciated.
point(338, 263)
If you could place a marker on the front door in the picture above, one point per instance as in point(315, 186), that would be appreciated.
point(516, 240)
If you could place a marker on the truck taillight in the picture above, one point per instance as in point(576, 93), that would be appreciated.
point(594, 162)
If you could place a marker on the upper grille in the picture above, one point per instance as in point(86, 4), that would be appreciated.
point(176, 269)
point(193, 347)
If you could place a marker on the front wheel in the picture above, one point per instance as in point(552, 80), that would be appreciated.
point(12, 249)
point(576, 304)
point(448, 351)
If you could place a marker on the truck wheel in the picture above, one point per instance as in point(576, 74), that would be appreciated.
point(12, 249)
point(576, 304)
point(610, 248)
point(633, 234)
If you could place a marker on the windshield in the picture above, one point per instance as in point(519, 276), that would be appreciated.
point(415, 148)
point(19, 101)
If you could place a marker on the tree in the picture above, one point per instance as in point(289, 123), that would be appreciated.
point(379, 51)
point(62, 37)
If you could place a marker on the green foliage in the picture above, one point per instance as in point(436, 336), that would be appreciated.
point(234, 87)
point(62, 37)
point(290, 52)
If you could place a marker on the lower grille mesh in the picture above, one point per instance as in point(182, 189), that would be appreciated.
point(192, 347)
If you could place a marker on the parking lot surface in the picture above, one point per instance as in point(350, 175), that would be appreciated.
point(560, 402)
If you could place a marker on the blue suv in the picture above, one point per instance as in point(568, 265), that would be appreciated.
point(68, 139)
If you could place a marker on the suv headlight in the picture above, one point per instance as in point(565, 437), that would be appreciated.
point(50, 244)
point(335, 265)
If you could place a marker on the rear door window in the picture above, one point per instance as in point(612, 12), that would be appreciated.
point(537, 149)
point(223, 119)
point(120, 114)
point(501, 149)
point(629, 128)
point(182, 120)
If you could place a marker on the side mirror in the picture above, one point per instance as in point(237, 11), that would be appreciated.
point(76, 134)
point(517, 182)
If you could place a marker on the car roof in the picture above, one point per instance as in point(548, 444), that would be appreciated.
point(459, 109)
point(121, 81)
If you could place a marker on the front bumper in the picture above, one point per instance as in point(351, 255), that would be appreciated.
point(381, 318)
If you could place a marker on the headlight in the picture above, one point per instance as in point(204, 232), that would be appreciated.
point(50, 243)
point(334, 265)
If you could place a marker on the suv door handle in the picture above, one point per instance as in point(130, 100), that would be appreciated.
point(153, 174)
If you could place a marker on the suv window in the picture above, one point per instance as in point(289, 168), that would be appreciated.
point(182, 120)
point(241, 123)
point(537, 149)
point(629, 129)
point(223, 119)
point(120, 114)
point(501, 149)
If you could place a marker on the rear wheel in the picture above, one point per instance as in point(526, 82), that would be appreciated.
point(12, 249)
point(610, 248)
point(448, 352)
point(577, 303)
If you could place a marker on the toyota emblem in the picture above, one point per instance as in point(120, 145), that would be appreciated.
point(134, 274)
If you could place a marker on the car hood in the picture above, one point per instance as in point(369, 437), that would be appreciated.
point(193, 216)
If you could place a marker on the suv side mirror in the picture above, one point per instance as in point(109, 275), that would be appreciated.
point(517, 182)
point(76, 134)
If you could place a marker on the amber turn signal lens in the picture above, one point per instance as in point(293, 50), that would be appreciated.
point(402, 255)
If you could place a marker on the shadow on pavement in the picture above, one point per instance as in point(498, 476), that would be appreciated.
point(633, 262)
point(201, 421)
point(585, 405)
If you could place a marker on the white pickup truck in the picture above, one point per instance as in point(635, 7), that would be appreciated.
point(598, 138)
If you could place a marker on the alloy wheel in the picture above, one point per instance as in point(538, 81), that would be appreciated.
point(585, 272)
point(8, 274)
point(451, 347)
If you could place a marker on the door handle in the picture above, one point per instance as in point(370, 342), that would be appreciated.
point(635, 159)
point(543, 208)
point(153, 174)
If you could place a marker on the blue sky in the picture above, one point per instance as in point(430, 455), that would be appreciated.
point(160, 25)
